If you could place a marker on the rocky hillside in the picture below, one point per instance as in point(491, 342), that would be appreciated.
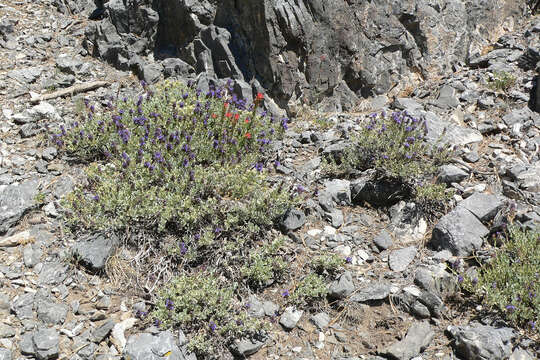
point(372, 259)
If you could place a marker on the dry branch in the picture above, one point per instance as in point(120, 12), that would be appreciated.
point(75, 89)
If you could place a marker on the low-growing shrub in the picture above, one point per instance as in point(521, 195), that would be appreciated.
point(502, 81)
point(201, 305)
point(327, 263)
point(310, 289)
point(180, 161)
point(510, 282)
point(265, 264)
point(395, 145)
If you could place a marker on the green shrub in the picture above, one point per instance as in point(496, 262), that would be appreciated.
point(309, 289)
point(510, 282)
point(394, 144)
point(202, 306)
point(502, 81)
point(327, 263)
point(265, 264)
point(180, 161)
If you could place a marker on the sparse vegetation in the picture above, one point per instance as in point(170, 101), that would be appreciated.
point(202, 305)
point(328, 263)
point(502, 81)
point(310, 289)
point(510, 282)
point(394, 144)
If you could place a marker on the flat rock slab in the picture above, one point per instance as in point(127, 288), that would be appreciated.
point(342, 287)
point(247, 347)
point(293, 219)
point(163, 346)
point(460, 232)
point(290, 317)
point(95, 250)
point(46, 344)
point(400, 259)
point(374, 292)
point(482, 342)
point(417, 340)
point(483, 206)
point(15, 201)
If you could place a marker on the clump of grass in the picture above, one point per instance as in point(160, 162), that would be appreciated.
point(327, 263)
point(309, 290)
point(510, 282)
point(502, 81)
point(395, 145)
point(201, 305)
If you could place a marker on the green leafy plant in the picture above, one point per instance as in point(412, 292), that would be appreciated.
point(510, 282)
point(265, 264)
point(327, 263)
point(179, 161)
point(502, 81)
point(395, 145)
point(310, 289)
point(200, 304)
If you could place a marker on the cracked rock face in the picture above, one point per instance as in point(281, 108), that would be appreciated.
point(298, 50)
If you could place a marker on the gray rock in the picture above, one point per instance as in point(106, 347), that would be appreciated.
point(407, 104)
point(418, 338)
point(26, 345)
point(459, 232)
point(447, 98)
point(482, 342)
point(383, 241)
point(370, 293)
point(483, 206)
point(23, 306)
point(101, 332)
point(339, 190)
point(94, 251)
point(46, 343)
point(151, 73)
point(290, 317)
point(398, 260)
point(162, 346)
point(69, 64)
point(471, 157)
point(52, 274)
point(49, 153)
point(292, 220)
point(321, 320)
point(50, 312)
point(31, 255)
point(518, 116)
point(5, 354)
point(447, 132)
point(451, 174)
point(6, 331)
point(176, 67)
point(26, 76)
point(335, 216)
point(15, 201)
point(270, 308)
point(63, 185)
point(87, 351)
point(246, 347)
point(342, 287)
point(256, 308)
point(518, 354)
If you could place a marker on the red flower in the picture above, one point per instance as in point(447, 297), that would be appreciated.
point(236, 116)
point(214, 116)
point(228, 115)
point(260, 96)
point(247, 120)
point(248, 135)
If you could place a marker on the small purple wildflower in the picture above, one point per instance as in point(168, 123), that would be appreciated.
point(285, 293)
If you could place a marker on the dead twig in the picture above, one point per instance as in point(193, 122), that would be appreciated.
point(75, 89)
